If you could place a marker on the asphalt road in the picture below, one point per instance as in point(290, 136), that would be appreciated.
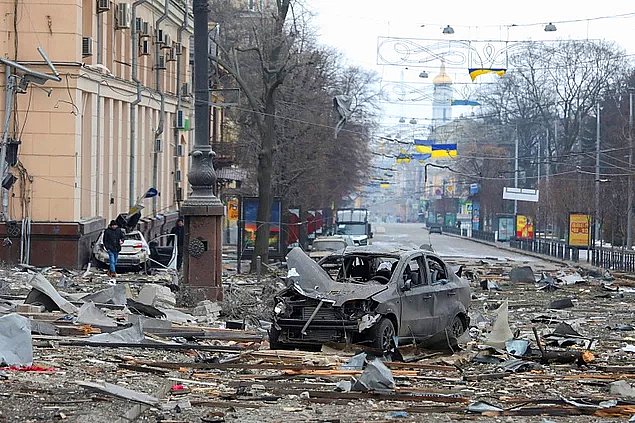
point(447, 246)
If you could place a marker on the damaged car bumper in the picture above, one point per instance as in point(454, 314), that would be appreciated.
point(314, 322)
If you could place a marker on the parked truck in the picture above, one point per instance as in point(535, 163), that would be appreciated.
point(354, 223)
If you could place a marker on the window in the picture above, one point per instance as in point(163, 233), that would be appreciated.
point(438, 272)
point(415, 271)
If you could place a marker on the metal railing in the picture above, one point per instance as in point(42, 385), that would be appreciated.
point(613, 259)
point(484, 235)
point(451, 230)
point(554, 248)
point(606, 258)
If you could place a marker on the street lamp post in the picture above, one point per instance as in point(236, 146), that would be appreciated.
point(629, 206)
point(202, 210)
point(516, 171)
point(597, 175)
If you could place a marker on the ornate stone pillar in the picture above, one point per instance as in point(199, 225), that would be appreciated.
point(202, 210)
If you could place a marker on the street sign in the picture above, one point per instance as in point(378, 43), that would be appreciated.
point(520, 194)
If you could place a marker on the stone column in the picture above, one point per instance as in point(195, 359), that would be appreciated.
point(202, 210)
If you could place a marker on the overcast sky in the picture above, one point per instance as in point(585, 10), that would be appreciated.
point(353, 27)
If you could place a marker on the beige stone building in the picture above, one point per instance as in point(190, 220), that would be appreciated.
point(116, 124)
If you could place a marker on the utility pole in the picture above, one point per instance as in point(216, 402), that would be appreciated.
point(629, 207)
point(597, 175)
point(202, 210)
point(516, 171)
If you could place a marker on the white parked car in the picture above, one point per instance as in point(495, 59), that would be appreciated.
point(324, 246)
point(137, 253)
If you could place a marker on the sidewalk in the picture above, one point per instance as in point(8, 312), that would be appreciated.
point(503, 246)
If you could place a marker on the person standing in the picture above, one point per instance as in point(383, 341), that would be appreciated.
point(179, 231)
point(113, 239)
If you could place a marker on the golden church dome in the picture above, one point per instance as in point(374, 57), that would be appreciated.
point(442, 78)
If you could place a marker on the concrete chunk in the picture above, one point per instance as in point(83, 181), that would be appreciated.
point(16, 348)
point(157, 296)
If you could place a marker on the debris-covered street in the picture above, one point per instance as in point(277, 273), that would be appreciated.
point(209, 362)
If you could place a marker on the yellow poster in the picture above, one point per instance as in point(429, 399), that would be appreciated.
point(232, 210)
point(524, 227)
point(579, 230)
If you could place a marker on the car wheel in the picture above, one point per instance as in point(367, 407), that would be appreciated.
point(457, 328)
point(382, 334)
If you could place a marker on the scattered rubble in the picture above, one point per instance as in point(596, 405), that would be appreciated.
point(134, 351)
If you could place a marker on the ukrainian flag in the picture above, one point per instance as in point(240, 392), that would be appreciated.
point(403, 158)
point(443, 151)
point(476, 72)
point(424, 146)
point(421, 157)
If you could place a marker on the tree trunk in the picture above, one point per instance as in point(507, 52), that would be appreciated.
point(265, 171)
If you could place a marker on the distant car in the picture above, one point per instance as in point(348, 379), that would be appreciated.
point(435, 228)
point(324, 246)
point(370, 295)
point(137, 253)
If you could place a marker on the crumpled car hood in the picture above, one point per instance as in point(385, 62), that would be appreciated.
point(310, 280)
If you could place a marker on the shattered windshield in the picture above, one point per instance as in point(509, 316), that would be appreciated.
point(361, 268)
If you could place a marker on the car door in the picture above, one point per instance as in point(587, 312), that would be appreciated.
point(163, 251)
point(444, 292)
point(417, 302)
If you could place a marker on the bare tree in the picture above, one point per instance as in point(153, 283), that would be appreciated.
point(259, 56)
point(548, 99)
point(286, 125)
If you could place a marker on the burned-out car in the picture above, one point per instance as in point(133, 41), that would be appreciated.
point(369, 295)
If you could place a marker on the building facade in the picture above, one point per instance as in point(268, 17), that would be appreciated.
point(115, 125)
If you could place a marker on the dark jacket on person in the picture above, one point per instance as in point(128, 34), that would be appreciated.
point(113, 238)
point(179, 231)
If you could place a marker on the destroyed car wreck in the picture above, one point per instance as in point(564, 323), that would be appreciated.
point(372, 296)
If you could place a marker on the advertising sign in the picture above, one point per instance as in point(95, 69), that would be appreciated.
point(524, 227)
point(249, 226)
point(579, 230)
point(476, 216)
point(232, 210)
point(505, 228)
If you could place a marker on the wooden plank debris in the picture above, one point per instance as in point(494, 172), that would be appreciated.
point(120, 392)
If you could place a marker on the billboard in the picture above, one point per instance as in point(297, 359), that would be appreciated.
point(579, 230)
point(476, 216)
point(249, 213)
point(505, 228)
point(524, 227)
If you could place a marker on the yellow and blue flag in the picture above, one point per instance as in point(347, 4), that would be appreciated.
point(443, 151)
point(420, 156)
point(423, 146)
point(403, 158)
point(476, 72)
